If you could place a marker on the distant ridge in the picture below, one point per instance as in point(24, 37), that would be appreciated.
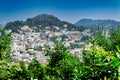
point(43, 21)
point(94, 23)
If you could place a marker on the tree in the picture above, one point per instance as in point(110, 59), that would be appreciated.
point(99, 63)
point(64, 64)
point(5, 41)
point(37, 69)
point(102, 60)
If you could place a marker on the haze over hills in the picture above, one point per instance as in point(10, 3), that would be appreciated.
point(90, 23)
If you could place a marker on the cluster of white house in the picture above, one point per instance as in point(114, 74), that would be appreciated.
point(28, 44)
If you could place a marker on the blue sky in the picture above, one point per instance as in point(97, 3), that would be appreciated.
point(67, 10)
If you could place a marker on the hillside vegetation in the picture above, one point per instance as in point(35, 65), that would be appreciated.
point(41, 22)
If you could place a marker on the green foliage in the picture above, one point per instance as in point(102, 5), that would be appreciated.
point(102, 40)
point(4, 70)
point(5, 40)
point(103, 58)
point(56, 54)
point(108, 42)
point(115, 38)
point(37, 70)
point(64, 64)
point(19, 72)
point(99, 64)
point(68, 67)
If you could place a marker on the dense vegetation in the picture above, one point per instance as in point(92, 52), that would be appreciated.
point(101, 61)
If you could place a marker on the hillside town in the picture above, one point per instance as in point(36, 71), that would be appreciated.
point(28, 43)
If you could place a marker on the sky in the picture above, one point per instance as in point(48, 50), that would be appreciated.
point(66, 10)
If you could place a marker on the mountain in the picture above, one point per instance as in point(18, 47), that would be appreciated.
point(90, 23)
point(41, 22)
